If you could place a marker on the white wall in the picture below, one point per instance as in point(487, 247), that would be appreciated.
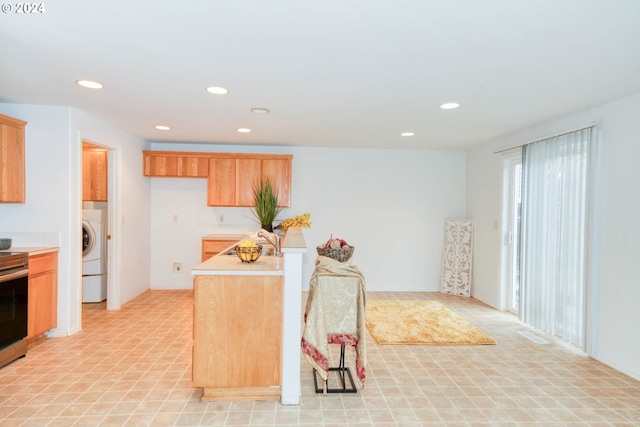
point(390, 204)
point(483, 206)
point(53, 204)
point(615, 313)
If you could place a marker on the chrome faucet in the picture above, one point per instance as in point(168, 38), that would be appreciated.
point(275, 244)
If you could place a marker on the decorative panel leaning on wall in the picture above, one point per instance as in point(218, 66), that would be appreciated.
point(457, 257)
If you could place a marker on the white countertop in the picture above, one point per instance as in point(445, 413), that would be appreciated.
point(32, 250)
point(230, 265)
point(294, 242)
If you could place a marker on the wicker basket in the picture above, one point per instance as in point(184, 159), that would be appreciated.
point(343, 254)
point(249, 253)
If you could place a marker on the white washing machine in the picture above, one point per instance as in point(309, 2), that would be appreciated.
point(94, 255)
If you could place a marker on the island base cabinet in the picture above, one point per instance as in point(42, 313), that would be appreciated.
point(237, 342)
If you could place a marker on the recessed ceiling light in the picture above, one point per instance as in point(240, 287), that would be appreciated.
point(243, 130)
point(407, 134)
point(260, 110)
point(162, 127)
point(216, 90)
point(449, 105)
point(89, 84)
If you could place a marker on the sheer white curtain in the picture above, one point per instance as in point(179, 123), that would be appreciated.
point(554, 237)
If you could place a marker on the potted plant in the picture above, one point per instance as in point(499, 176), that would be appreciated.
point(265, 207)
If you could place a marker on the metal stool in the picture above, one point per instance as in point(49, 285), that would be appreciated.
point(343, 372)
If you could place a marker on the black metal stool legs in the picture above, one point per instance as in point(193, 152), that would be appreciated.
point(341, 370)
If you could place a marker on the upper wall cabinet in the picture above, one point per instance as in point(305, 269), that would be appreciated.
point(12, 160)
point(231, 176)
point(221, 186)
point(231, 179)
point(175, 164)
point(94, 173)
point(279, 171)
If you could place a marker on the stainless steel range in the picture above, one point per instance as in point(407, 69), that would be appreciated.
point(13, 305)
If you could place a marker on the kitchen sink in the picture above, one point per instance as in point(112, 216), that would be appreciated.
point(268, 250)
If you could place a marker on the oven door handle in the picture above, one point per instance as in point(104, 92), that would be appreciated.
point(13, 274)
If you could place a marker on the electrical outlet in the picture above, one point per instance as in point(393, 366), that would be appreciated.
point(221, 218)
point(177, 267)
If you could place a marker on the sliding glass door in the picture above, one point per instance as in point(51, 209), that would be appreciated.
point(546, 194)
point(554, 243)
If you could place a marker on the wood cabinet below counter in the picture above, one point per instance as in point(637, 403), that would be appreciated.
point(214, 247)
point(42, 312)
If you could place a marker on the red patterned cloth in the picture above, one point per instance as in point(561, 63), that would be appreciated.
point(335, 314)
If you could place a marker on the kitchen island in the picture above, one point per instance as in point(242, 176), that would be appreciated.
point(247, 325)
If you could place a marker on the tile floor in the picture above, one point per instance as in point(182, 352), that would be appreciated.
point(132, 368)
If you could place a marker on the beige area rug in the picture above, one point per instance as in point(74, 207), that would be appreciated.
point(420, 322)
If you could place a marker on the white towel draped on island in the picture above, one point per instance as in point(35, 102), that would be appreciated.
point(335, 314)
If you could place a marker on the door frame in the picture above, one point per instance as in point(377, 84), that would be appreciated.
point(114, 295)
point(508, 159)
point(513, 236)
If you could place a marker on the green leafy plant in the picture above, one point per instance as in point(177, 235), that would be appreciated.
point(265, 200)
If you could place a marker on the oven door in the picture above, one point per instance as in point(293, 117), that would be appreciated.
point(13, 306)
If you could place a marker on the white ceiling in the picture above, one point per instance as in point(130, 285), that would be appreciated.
point(334, 73)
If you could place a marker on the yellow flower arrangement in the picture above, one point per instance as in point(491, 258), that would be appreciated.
point(302, 221)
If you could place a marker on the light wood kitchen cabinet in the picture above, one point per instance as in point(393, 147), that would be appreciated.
point(249, 172)
point(214, 247)
point(279, 171)
point(237, 337)
point(221, 186)
point(175, 164)
point(231, 180)
point(231, 176)
point(12, 160)
point(94, 173)
point(42, 295)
